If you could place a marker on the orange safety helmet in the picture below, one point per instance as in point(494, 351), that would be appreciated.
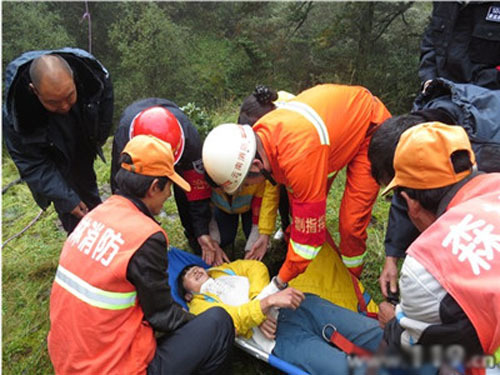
point(162, 124)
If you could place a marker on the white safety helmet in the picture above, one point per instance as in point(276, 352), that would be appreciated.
point(228, 152)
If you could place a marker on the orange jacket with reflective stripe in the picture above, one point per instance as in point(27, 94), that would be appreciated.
point(304, 154)
point(97, 324)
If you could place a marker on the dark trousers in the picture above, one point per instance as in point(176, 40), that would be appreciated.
point(284, 208)
point(201, 346)
point(85, 185)
point(186, 218)
point(228, 225)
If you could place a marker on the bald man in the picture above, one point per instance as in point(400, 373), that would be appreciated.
point(52, 81)
point(57, 114)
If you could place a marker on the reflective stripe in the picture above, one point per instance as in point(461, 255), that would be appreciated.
point(241, 202)
point(92, 295)
point(352, 262)
point(305, 251)
point(497, 355)
point(311, 116)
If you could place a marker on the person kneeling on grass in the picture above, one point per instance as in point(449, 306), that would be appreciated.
point(295, 332)
point(450, 278)
point(111, 294)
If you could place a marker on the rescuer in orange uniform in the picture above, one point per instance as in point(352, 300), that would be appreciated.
point(111, 294)
point(450, 278)
point(303, 144)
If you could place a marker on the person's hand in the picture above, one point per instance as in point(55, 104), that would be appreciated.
point(259, 248)
point(289, 298)
point(80, 210)
point(252, 237)
point(389, 276)
point(268, 327)
point(220, 256)
point(419, 216)
point(386, 312)
point(211, 253)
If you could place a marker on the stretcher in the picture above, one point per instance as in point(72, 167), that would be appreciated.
point(326, 276)
point(177, 260)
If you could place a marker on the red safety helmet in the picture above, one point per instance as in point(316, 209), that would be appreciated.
point(162, 124)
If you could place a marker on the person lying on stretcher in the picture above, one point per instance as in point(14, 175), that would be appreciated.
point(290, 324)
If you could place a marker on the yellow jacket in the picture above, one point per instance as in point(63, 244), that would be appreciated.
point(245, 316)
point(240, 202)
point(262, 199)
point(269, 208)
point(326, 277)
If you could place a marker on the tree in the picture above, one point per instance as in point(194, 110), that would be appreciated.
point(374, 44)
point(102, 15)
point(151, 51)
point(30, 26)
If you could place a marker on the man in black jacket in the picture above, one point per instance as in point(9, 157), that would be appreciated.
point(58, 108)
point(165, 120)
point(462, 44)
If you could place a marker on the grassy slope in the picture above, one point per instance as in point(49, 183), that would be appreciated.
point(29, 263)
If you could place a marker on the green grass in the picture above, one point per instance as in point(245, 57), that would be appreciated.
point(29, 263)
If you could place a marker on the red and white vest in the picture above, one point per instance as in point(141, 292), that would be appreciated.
point(97, 324)
point(462, 251)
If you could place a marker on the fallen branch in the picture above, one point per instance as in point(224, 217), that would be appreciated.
point(9, 185)
point(24, 230)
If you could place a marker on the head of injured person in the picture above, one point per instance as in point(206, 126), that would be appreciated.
point(190, 280)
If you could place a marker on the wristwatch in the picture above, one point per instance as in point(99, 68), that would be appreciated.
point(279, 285)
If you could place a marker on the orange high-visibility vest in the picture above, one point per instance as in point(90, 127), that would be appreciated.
point(462, 251)
point(97, 324)
point(308, 140)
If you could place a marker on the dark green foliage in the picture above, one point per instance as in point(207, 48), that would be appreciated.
point(30, 26)
point(211, 52)
point(199, 118)
point(153, 54)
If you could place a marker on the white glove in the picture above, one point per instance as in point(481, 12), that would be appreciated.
point(254, 235)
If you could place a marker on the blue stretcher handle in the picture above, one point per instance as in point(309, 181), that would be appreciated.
point(285, 366)
point(269, 358)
